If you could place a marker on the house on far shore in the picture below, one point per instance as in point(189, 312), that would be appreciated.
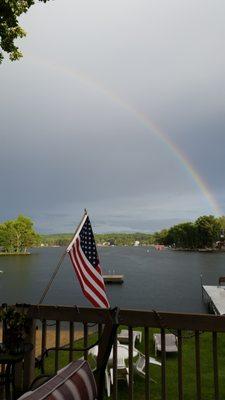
point(136, 243)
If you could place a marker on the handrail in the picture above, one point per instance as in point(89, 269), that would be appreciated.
point(161, 319)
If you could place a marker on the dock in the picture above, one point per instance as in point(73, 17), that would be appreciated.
point(113, 278)
point(215, 297)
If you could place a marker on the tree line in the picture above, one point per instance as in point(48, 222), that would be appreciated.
point(203, 233)
point(117, 239)
point(16, 236)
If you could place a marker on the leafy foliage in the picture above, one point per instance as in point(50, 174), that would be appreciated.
point(202, 233)
point(16, 325)
point(17, 235)
point(10, 30)
point(118, 239)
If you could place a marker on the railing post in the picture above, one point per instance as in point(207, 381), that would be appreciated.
point(215, 365)
point(115, 383)
point(43, 336)
point(29, 358)
point(57, 345)
point(85, 340)
point(130, 362)
point(198, 366)
point(71, 341)
point(147, 366)
point(180, 366)
point(163, 360)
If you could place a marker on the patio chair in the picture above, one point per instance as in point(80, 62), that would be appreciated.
point(140, 364)
point(122, 370)
point(70, 383)
point(123, 336)
point(76, 380)
point(122, 374)
point(170, 343)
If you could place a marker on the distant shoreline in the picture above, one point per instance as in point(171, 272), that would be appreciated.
point(204, 250)
point(15, 254)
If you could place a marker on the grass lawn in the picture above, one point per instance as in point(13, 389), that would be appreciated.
point(189, 379)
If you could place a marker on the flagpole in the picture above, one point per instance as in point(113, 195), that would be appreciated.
point(60, 262)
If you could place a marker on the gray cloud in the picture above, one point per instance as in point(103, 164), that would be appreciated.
point(67, 143)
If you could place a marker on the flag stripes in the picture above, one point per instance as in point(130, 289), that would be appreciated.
point(93, 289)
point(83, 255)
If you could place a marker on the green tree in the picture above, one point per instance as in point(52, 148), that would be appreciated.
point(25, 234)
point(182, 235)
point(208, 230)
point(7, 236)
point(161, 237)
point(221, 221)
point(10, 30)
point(17, 235)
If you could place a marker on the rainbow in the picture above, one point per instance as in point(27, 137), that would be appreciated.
point(144, 120)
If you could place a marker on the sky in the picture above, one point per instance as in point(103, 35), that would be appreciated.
point(117, 107)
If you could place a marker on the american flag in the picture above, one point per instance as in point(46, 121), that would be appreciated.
point(83, 254)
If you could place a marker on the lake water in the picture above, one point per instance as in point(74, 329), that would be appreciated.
point(161, 280)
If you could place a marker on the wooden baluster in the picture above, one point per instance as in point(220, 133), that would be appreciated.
point(71, 341)
point(43, 336)
point(85, 340)
point(57, 345)
point(115, 383)
point(29, 358)
point(147, 365)
point(180, 365)
point(163, 360)
point(198, 366)
point(130, 362)
point(215, 365)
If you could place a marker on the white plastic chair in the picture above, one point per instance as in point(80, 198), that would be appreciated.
point(122, 374)
point(170, 343)
point(123, 336)
point(139, 365)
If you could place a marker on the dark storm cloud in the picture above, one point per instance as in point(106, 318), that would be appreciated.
point(67, 143)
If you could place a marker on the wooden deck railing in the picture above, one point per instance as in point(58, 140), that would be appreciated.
point(183, 325)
